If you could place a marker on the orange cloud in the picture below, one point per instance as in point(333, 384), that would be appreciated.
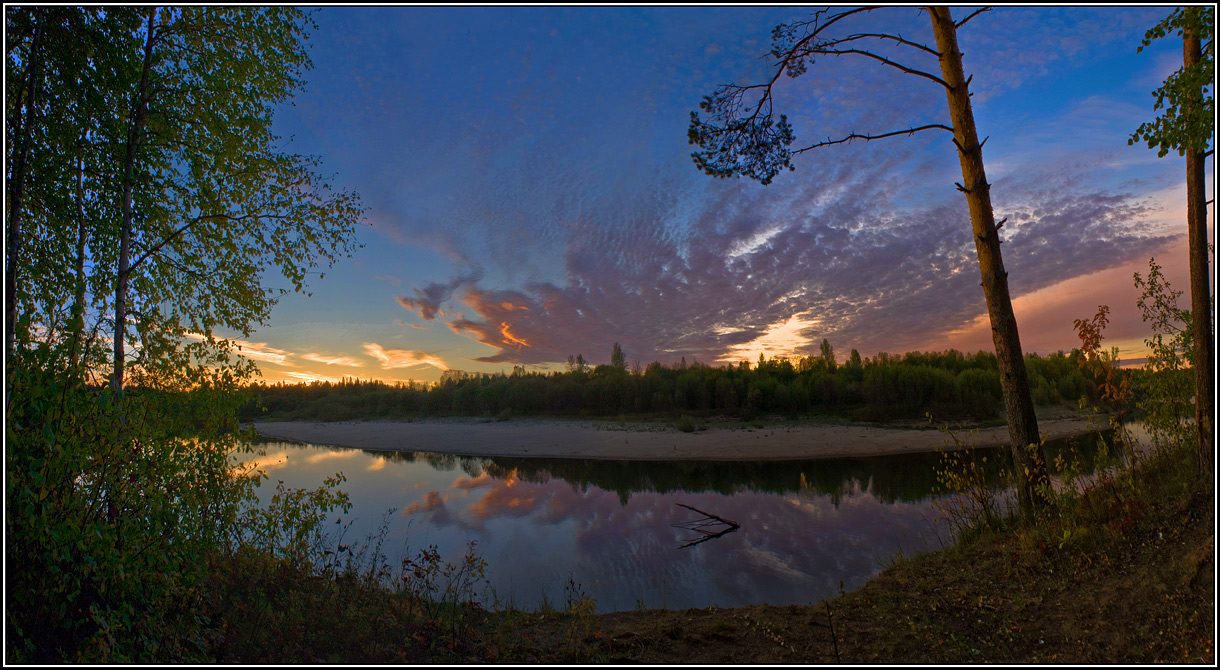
point(401, 358)
point(508, 336)
point(783, 339)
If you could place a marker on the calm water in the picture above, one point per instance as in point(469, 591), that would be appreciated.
point(807, 528)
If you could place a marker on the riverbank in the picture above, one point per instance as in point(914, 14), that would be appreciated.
point(1121, 574)
point(1133, 584)
point(724, 440)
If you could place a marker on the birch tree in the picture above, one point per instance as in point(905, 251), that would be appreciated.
point(154, 126)
point(742, 137)
point(149, 206)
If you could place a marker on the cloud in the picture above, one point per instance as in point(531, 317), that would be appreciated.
point(260, 351)
point(308, 377)
point(333, 360)
point(598, 230)
point(401, 358)
point(836, 254)
point(427, 300)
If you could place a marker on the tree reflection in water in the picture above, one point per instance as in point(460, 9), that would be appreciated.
point(806, 526)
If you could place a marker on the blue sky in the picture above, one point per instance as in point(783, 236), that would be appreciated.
point(531, 193)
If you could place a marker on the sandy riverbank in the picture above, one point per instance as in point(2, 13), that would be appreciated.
point(730, 441)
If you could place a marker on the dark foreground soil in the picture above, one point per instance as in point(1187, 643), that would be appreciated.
point(1142, 593)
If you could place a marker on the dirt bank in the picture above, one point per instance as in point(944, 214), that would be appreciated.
point(610, 440)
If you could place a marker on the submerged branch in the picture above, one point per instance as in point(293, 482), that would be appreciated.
point(704, 526)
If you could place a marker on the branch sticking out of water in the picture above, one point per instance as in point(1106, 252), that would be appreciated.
point(707, 526)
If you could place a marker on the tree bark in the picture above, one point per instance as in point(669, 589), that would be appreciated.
point(1018, 402)
point(139, 110)
point(1200, 303)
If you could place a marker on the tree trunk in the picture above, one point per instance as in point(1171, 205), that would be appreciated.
point(78, 308)
point(1200, 303)
point(16, 186)
point(139, 109)
point(1018, 402)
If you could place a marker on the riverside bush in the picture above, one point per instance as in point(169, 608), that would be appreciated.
point(116, 507)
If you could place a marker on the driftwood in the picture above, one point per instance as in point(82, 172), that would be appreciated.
point(707, 526)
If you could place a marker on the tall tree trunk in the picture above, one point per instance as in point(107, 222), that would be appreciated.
point(1018, 402)
point(139, 110)
point(1200, 303)
point(78, 307)
point(16, 186)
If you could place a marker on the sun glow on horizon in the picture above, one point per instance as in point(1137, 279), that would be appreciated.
point(782, 340)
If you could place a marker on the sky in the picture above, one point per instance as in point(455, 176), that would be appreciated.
point(531, 194)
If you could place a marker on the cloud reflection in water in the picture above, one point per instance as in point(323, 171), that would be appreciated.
point(791, 548)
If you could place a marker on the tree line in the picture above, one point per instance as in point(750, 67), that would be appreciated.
point(950, 385)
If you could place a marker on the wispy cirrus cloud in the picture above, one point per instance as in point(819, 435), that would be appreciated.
point(400, 358)
point(259, 351)
point(344, 361)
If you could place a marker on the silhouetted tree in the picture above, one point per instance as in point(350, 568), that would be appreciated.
point(577, 363)
point(828, 355)
point(742, 138)
point(618, 361)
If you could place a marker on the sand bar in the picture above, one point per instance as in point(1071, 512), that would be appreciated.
point(608, 440)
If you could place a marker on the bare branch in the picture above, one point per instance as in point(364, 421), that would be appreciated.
point(976, 12)
point(883, 36)
point(855, 136)
point(921, 73)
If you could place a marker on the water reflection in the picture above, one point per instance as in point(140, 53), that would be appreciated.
point(807, 528)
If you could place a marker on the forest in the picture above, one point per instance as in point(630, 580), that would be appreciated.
point(949, 385)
